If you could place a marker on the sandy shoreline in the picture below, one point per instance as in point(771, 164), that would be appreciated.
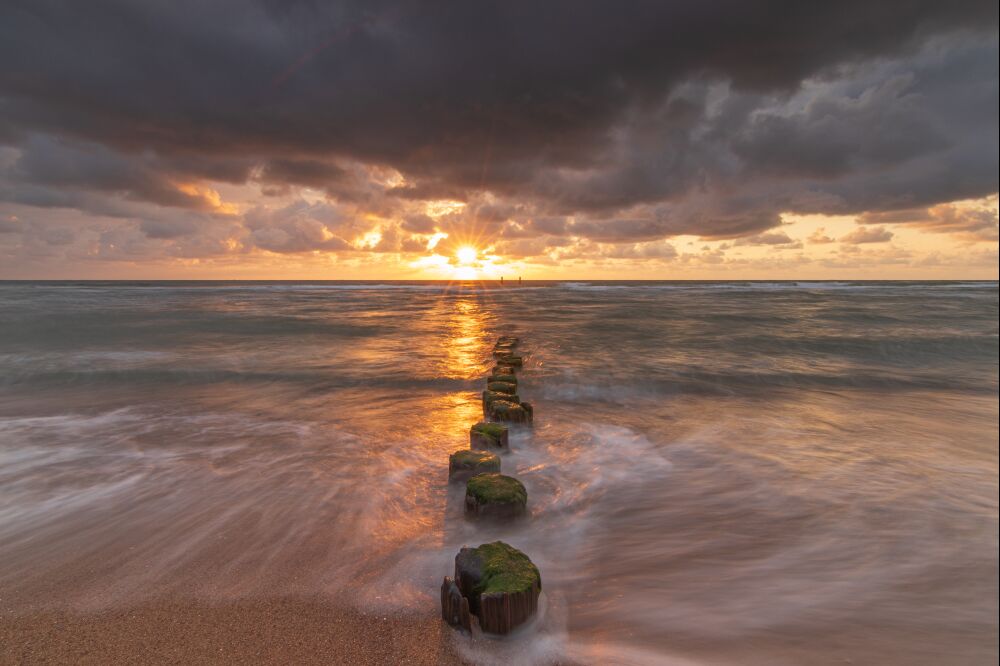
point(285, 631)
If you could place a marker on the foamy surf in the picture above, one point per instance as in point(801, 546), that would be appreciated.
point(807, 469)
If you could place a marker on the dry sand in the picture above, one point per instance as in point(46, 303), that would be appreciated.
point(269, 631)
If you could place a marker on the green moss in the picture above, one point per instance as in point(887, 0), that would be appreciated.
point(491, 397)
point(508, 378)
point(502, 387)
point(475, 460)
point(505, 404)
point(496, 489)
point(505, 570)
point(494, 430)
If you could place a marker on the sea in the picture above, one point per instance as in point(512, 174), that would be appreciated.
point(718, 472)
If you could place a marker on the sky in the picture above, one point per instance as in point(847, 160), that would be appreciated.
point(288, 139)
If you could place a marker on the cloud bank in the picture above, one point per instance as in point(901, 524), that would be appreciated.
point(150, 130)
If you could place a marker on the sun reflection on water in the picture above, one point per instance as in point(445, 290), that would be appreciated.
point(465, 346)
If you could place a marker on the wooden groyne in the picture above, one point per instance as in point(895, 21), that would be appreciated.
point(495, 585)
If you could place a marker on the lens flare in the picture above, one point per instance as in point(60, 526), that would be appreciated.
point(466, 255)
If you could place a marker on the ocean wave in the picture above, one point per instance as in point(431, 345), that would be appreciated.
point(709, 465)
point(795, 285)
point(752, 383)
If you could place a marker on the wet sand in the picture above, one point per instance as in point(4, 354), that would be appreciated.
point(268, 631)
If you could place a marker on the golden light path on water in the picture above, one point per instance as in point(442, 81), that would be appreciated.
point(466, 338)
point(413, 509)
point(715, 466)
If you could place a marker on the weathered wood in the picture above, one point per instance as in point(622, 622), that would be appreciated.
point(514, 360)
point(479, 572)
point(454, 606)
point(511, 411)
point(490, 397)
point(502, 387)
point(495, 496)
point(502, 612)
point(507, 378)
point(465, 464)
point(486, 436)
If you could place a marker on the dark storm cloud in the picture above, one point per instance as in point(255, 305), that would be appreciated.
point(63, 167)
point(309, 172)
point(610, 122)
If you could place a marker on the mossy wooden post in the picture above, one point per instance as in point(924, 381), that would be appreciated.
point(501, 583)
point(503, 348)
point(454, 606)
point(502, 387)
point(485, 436)
point(464, 464)
point(505, 377)
point(513, 360)
point(495, 496)
point(501, 407)
point(490, 397)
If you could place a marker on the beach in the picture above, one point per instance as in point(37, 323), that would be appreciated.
point(724, 473)
point(272, 631)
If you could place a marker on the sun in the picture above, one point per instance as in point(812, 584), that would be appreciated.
point(466, 254)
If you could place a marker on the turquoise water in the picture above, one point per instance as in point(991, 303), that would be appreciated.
point(718, 472)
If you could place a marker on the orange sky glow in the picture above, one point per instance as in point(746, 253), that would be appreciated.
point(954, 241)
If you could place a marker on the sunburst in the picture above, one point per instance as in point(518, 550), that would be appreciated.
point(466, 255)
